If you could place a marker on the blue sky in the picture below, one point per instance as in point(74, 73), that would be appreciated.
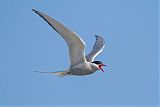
point(27, 43)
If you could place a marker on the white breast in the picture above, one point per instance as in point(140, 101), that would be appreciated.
point(83, 69)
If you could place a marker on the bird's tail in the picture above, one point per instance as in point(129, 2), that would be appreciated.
point(58, 73)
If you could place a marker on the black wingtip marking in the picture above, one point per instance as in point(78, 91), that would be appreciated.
point(96, 36)
point(34, 10)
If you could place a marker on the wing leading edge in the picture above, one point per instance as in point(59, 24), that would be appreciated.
point(75, 44)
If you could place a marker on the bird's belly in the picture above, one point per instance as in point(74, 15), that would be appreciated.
point(81, 70)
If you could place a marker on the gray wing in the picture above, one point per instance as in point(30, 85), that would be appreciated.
point(75, 44)
point(97, 48)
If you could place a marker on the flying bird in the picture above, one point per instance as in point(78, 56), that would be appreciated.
point(80, 64)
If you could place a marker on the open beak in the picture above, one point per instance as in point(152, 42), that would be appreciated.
point(100, 67)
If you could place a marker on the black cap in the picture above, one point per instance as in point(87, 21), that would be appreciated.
point(97, 62)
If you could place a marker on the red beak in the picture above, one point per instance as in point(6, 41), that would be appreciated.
point(100, 67)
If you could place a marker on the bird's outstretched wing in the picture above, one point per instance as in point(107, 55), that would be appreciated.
point(75, 44)
point(97, 48)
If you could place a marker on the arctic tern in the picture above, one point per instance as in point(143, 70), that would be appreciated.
point(80, 64)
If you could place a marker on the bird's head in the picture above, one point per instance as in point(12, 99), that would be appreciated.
point(100, 64)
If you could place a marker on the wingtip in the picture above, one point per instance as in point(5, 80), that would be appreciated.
point(100, 38)
point(97, 36)
point(34, 10)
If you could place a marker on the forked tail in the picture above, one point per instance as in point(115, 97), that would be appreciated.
point(58, 73)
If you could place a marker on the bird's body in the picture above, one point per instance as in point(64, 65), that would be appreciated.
point(80, 64)
point(83, 68)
